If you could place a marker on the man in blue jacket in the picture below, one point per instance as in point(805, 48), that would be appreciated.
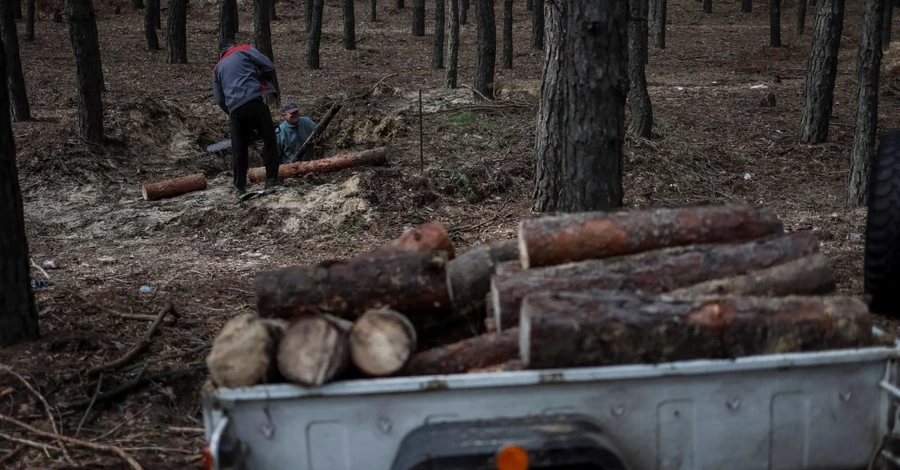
point(293, 132)
point(241, 78)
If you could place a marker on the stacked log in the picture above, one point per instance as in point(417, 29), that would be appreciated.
point(574, 290)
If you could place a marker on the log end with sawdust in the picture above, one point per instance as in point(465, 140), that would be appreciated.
point(174, 187)
point(313, 350)
point(381, 341)
point(243, 353)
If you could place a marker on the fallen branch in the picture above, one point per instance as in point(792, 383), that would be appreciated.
point(13, 454)
point(375, 156)
point(26, 442)
point(195, 349)
point(77, 442)
point(126, 387)
point(186, 430)
point(318, 130)
point(138, 348)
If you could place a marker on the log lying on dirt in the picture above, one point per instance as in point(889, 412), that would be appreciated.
point(810, 275)
point(314, 350)
point(469, 276)
point(422, 239)
point(546, 241)
point(381, 341)
point(480, 351)
point(243, 354)
point(653, 271)
point(569, 329)
point(371, 157)
point(174, 187)
point(411, 283)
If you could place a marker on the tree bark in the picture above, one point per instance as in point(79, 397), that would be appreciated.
point(243, 354)
point(453, 47)
point(566, 238)
point(507, 34)
point(641, 124)
point(310, 12)
point(775, 23)
point(227, 25)
point(868, 69)
point(653, 271)
point(659, 37)
point(463, 11)
point(29, 21)
point(16, 9)
point(529, 5)
point(314, 350)
point(262, 29)
point(810, 275)
point(821, 71)
point(349, 26)
point(315, 35)
point(381, 342)
point(174, 187)
point(486, 59)
point(550, 133)
point(426, 238)
point(273, 15)
point(18, 315)
point(150, 29)
point(707, 6)
point(400, 4)
point(437, 57)
point(801, 16)
point(371, 157)
point(469, 275)
point(414, 284)
point(176, 32)
point(418, 18)
point(373, 10)
point(604, 328)
point(155, 7)
point(457, 358)
point(746, 6)
point(83, 36)
point(888, 17)
point(538, 25)
point(137, 4)
point(15, 78)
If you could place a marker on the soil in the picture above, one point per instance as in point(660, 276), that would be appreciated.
point(716, 137)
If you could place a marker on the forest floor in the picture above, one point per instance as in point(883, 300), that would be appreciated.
point(715, 138)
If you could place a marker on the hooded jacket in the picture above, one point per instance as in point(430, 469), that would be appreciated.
point(241, 74)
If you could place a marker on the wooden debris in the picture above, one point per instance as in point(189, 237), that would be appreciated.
point(243, 353)
point(381, 341)
point(314, 350)
point(139, 347)
point(425, 238)
point(810, 275)
point(469, 275)
point(371, 157)
point(477, 352)
point(174, 187)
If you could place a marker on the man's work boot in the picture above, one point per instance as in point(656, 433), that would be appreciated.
point(271, 184)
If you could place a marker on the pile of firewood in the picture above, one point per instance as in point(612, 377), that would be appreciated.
point(574, 290)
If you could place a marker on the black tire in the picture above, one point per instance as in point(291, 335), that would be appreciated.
point(882, 255)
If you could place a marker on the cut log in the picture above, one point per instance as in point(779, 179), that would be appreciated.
point(314, 350)
point(473, 353)
point(371, 157)
point(811, 275)
point(381, 341)
point(174, 187)
point(243, 354)
point(414, 284)
point(653, 271)
point(546, 241)
point(469, 276)
point(569, 329)
point(422, 239)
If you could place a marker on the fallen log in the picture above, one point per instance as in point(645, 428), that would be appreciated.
point(411, 283)
point(422, 239)
point(469, 275)
point(381, 341)
point(243, 354)
point(653, 271)
point(174, 187)
point(810, 275)
point(473, 353)
point(314, 350)
point(577, 329)
point(546, 241)
point(371, 157)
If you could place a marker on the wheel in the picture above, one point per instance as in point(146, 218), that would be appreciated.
point(882, 253)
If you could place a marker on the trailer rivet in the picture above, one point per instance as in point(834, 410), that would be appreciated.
point(618, 410)
point(733, 404)
point(384, 424)
point(845, 396)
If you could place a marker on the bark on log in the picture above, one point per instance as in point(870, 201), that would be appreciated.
point(469, 276)
point(545, 241)
point(174, 187)
point(654, 271)
point(590, 329)
point(457, 358)
point(243, 354)
point(810, 275)
point(314, 350)
point(375, 156)
point(508, 267)
point(414, 284)
point(381, 341)
point(425, 238)
point(510, 365)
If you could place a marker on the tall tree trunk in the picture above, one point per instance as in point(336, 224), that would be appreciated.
point(262, 32)
point(453, 46)
point(746, 6)
point(82, 34)
point(16, 9)
point(349, 26)
point(707, 6)
point(137, 4)
point(507, 34)
point(373, 10)
point(550, 135)
point(775, 23)
point(400, 4)
point(227, 25)
point(15, 78)
point(463, 11)
point(18, 315)
point(150, 28)
point(641, 123)
point(887, 17)
point(310, 12)
point(529, 5)
point(821, 71)
point(660, 25)
point(29, 21)
point(437, 57)
point(801, 16)
point(273, 15)
point(176, 32)
point(486, 59)
point(315, 34)
point(867, 72)
point(156, 7)
point(537, 25)
point(418, 17)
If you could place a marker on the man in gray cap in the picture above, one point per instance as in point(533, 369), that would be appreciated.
point(293, 132)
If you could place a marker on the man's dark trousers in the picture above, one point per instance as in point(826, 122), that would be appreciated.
point(252, 115)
